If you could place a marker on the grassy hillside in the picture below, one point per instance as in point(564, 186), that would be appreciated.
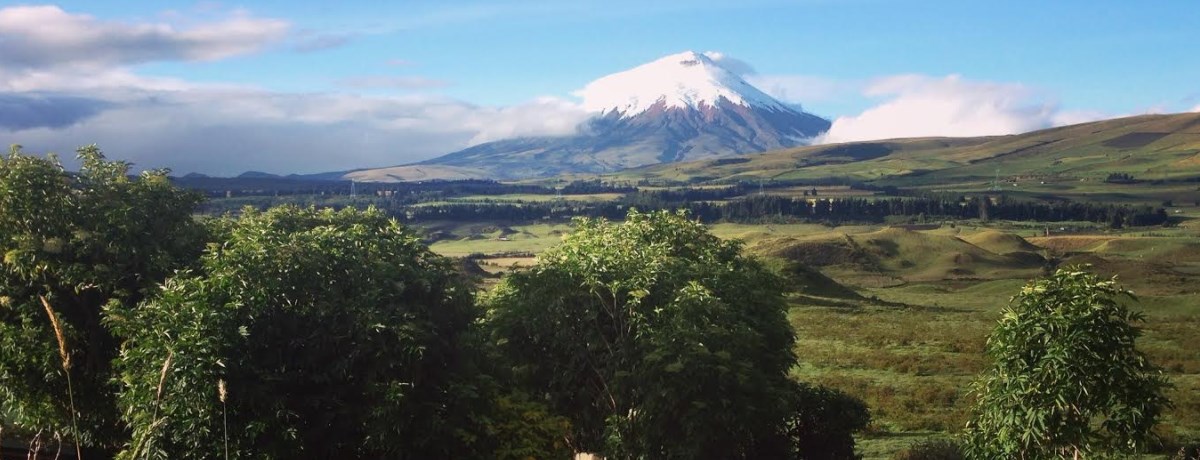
point(896, 255)
point(913, 348)
point(1071, 158)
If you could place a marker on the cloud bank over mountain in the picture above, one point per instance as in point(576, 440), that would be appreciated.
point(921, 106)
point(913, 105)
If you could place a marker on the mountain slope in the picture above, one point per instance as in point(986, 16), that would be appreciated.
point(679, 108)
point(1146, 146)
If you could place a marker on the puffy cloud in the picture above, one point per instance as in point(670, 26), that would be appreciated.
point(65, 81)
point(544, 116)
point(730, 63)
point(94, 81)
point(1196, 108)
point(43, 37)
point(225, 131)
point(919, 106)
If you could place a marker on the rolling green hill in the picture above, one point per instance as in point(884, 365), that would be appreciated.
point(906, 255)
point(1152, 147)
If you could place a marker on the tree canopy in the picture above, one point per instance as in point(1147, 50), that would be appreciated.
point(657, 339)
point(73, 243)
point(1066, 379)
point(329, 334)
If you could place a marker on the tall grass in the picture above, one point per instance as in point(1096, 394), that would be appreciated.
point(155, 422)
point(64, 354)
point(221, 393)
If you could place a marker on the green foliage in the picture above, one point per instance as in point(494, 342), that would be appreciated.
point(1187, 452)
point(934, 449)
point(80, 241)
point(337, 334)
point(526, 429)
point(822, 423)
point(658, 339)
point(1066, 378)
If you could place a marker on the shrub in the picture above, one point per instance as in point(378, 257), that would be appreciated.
point(658, 339)
point(1066, 378)
point(931, 449)
point(304, 333)
point(71, 244)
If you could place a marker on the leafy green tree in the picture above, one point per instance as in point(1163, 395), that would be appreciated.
point(73, 243)
point(1066, 380)
point(656, 338)
point(823, 421)
point(305, 334)
point(524, 429)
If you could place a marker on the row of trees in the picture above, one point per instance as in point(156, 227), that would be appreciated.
point(757, 208)
point(409, 192)
point(132, 330)
point(956, 207)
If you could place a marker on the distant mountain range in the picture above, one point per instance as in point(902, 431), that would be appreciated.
point(681, 107)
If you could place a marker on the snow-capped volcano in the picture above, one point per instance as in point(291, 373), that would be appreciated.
point(682, 107)
point(687, 80)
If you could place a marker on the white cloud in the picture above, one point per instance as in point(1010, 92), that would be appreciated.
point(1196, 108)
point(544, 116)
point(737, 66)
point(66, 81)
point(46, 37)
point(98, 80)
point(226, 131)
point(919, 106)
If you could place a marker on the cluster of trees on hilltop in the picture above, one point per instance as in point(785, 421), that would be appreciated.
point(132, 330)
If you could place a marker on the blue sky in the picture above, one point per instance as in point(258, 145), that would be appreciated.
point(403, 81)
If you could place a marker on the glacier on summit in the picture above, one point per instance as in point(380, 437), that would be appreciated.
point(685, 80)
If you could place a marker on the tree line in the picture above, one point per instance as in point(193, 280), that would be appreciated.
point(414, 192)
point(758, 208)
